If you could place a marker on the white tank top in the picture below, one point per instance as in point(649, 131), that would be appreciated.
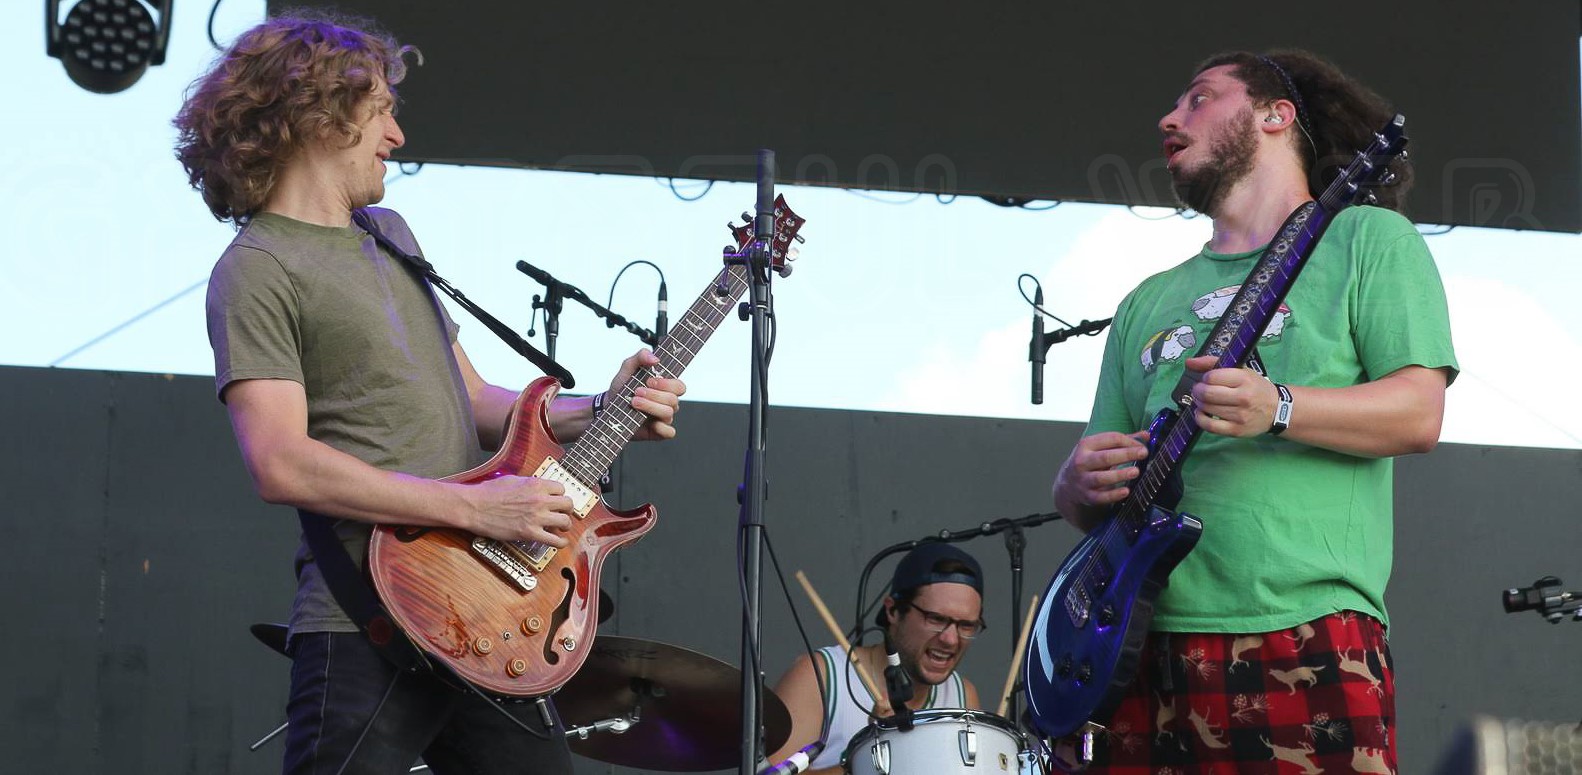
point(844, 717)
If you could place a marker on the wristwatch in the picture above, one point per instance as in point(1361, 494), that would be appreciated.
point(1282, 411)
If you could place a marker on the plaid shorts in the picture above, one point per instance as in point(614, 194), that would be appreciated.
point(1319, 697)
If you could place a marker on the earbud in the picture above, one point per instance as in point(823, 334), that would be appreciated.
point(1274, 120)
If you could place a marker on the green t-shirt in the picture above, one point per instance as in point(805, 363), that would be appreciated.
point(369, 343)
point(1290, 532)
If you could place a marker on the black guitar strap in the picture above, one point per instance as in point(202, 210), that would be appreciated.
point(426, 270)
point(356, 596)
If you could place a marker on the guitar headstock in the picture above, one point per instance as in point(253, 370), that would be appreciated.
point(786, 226)
point(1370, 169)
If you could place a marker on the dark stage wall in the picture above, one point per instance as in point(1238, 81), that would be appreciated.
point(137, 557)
point(1041, 100)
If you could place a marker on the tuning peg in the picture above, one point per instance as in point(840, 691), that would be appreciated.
point(799, 238)
point(792, 254)
point(784, 270)
point(746, 216)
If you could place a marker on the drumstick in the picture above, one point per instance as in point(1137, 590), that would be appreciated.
point(829, 621)
point(1016, 659)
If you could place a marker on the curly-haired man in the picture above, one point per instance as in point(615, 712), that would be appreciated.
point(347, 390)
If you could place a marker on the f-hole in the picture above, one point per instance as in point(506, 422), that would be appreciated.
point(559, 617)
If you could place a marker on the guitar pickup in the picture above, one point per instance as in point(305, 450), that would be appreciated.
point(1078, 605)
point(583, 498)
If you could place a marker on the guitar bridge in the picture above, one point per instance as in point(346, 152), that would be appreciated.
point(508, 559)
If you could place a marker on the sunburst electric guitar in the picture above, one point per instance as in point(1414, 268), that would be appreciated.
point(517, 618)
point(1089, 630)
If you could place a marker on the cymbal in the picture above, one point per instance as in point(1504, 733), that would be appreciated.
point(689, 707)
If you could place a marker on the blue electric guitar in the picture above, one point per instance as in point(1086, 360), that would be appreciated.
point(1089, 630)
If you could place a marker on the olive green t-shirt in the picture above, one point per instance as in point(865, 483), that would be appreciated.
point(1290, 532)
point(369, 343)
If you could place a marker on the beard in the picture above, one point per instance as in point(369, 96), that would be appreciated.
point(1230, 160)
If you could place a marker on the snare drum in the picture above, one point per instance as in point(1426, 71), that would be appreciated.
point(943, 741)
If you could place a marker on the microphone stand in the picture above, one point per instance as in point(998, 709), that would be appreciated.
point(550, 304)
point(753, 492)
point(1015, 542)
point(1041, 342)
point(555, 290)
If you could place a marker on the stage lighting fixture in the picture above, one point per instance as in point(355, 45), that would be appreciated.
point(107, 44)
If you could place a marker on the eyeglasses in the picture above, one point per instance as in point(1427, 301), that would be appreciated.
point(938, 623)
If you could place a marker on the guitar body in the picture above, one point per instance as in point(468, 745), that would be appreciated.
point(463, 609)
point(517, 618)
point(1089, 630)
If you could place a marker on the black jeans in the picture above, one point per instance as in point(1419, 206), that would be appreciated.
point(353, 713)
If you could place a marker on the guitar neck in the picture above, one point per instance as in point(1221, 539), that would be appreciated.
point(1231, 342)
point(593, 454)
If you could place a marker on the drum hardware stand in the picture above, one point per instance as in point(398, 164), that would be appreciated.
point(613, 725)
point(268, 737)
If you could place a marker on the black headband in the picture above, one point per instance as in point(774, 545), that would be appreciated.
point(1290, 88)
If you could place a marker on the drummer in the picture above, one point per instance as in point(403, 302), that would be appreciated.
point(933, 611)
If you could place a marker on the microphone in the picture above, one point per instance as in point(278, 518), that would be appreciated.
point(797, 762)
point(1035, 348)
point(661, 322)
point(537, 274)
point(898, 685)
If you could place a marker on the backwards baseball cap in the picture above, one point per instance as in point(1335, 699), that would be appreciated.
point(922, 566)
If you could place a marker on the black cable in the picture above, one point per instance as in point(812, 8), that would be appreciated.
point(881, 200)
point(706, 189)
point(807, 644)
point(501, 708)
point(1018, 202)
point(402, 171)
point(849, 668)
point(212, 10)
point(129, 321)
point(741, 583)
point(1178, 212)
point(371, 718)
point(610, 302)
point(1020, 288)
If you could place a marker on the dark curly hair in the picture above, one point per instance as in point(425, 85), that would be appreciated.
point(293, 79)
point(1338, 116)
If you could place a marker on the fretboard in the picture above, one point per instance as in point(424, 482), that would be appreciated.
point(592, 454)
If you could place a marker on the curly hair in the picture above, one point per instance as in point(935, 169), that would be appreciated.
point(304, 77)
point(1338, 116)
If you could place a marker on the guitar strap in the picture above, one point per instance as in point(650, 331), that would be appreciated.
point(356, 596)
point(522, 347)
point(426, 270)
